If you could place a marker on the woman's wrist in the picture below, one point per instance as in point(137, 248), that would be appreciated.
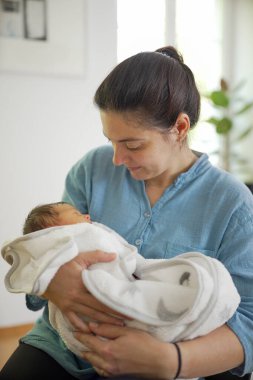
point(168, 362)
point(179, 360)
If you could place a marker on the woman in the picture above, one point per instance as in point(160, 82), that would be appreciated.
point(166, 199)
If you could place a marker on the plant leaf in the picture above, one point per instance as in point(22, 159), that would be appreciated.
point(245, 133)
point(245, 108)
point(219, 98)
point(238, 86)
point(224, 125)
point(213, 120)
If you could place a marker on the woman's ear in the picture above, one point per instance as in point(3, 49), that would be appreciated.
point(182, 126)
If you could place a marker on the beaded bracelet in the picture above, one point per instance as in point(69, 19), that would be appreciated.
point(179, 355)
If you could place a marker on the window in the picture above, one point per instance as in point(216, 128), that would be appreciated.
point(194, 27)
point(199, 38)
point(141, 26)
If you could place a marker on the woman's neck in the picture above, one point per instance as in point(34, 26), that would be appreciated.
point(155, 187)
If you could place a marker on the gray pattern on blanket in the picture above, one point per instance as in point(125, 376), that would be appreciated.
point(166, 315)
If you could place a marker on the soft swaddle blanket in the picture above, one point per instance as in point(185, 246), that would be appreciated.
point(174, 299)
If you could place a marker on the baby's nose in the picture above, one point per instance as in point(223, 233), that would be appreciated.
point(86, 217)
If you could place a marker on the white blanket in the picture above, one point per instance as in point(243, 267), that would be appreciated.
point(175, 299)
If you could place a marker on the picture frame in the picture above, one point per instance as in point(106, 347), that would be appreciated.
point(53, 46)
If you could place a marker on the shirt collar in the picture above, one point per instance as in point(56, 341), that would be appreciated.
point(201, 165)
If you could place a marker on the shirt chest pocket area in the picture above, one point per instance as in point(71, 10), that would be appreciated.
point(173, 249)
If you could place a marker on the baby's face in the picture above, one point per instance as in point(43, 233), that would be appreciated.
point(68, 214)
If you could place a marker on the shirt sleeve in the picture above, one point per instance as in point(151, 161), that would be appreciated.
point(76, 186)
point(34, 303)
point(236, 253)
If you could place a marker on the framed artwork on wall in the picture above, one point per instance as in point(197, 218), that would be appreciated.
point(42, 37)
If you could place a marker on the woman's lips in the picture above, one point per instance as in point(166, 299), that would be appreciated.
point(133, 169)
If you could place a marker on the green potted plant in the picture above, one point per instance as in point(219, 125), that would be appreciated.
point(230, 109)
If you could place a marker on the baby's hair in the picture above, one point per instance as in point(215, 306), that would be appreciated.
point(42, 216)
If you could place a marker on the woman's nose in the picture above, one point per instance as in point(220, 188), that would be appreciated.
point(118, 156)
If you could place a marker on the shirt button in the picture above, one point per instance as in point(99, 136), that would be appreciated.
point(147, 214)
point(138, 242)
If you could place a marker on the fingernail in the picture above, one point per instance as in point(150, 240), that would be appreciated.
point(93, 325)
point(120, 323)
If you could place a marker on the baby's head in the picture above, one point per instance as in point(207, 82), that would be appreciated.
point(53, 214)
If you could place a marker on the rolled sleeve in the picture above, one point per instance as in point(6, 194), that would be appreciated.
point(34, 303)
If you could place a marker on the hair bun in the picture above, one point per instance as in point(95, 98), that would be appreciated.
point(171, 52)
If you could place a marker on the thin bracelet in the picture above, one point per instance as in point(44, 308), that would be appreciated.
point(179, 356)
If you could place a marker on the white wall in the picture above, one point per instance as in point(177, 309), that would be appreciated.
point(46, 124)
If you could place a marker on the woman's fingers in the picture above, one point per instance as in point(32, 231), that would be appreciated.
point(94, 315)
point(88, 299)
point(85, 259)
point(107, 330)
point(94, 342)
point(86, 304)
point(122, 350)
point(77, 301)
point(101, 372)
point(100, 365)
point(68, 278)
point(98, 353)
point(77, 322)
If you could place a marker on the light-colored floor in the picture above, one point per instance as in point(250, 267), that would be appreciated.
point(9, 337)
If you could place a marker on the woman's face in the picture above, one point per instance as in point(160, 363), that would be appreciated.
point(146, 152)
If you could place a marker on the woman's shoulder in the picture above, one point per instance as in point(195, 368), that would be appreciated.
point(214, 186)
point(228, 182)
point(229, 193)
point(96, 158)
point(217, 179)
point(103, 151)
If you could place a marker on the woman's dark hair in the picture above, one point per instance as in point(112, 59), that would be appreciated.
point(158, 86)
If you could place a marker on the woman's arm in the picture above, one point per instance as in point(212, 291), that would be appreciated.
point(134, 352)
point(216, 352)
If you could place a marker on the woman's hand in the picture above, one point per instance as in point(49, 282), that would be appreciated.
point(68, 293)
point(134, 352)
point(128, 351)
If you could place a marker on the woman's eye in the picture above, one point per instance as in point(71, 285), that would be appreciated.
point(133, 145)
